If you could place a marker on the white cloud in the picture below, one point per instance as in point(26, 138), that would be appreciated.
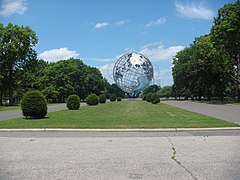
point(106, 71)
point(157, 22)
point(158, 52)
point(194, 11)
point(155, 52)
point(9, 7)
point(57, 54)
point(98, 59)
point(122, 22)
point(101, 25)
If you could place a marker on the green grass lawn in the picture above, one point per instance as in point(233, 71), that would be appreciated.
point(235, 103)
point(8, 108)
point(126, 114)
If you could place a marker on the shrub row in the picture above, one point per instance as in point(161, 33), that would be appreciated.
point(91, 100)
point(34, 104)
point(151, 97)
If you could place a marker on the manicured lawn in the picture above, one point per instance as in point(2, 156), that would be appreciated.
point(126, 114)
point(8, 108)
point(236, 104)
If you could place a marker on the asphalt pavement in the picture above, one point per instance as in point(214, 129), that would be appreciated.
point(120, 155)
point(225, 112)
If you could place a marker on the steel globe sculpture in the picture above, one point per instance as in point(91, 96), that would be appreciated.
point(133, 72)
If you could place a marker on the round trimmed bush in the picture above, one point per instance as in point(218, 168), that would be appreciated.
point(92, 99)
point(119, 99)
point(149, 97)
point(155, 99)
point(73, 102)
point(102, 98)
point(34, 105)
point(113, 98)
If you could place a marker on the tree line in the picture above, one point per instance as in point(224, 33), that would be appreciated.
point(21, 71)
point(210, 66)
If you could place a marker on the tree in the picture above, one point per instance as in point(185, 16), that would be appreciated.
point(94, 82)
point(63, 78)
point(71, 76)
point(151, 89)
point(29, 77)
point(114, 89)
point(16, 49)
point(165, 91)
point(181, 73)
point(198, 71)
point(225, 35)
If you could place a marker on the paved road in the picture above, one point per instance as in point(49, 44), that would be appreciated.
point(225, 112)
point(110, 155)
point(5, 115)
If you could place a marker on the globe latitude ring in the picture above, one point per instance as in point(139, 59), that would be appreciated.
point(133, 72)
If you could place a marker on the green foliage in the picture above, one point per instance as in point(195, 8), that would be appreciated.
point(198, 70)
point(144, 97)
point(34, 105)
point(102, 98)
point(209, 67)
point(225, 35)
point(73, 102)
point(92, 99)
point(165, 91)
point(16, 49)
point(149, 97)
point(113, 98)
point(71, 76)
point(119, 99)
point(155, 99)
point(151, 89)
point(114, 89)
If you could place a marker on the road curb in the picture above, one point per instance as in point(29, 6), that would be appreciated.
point(119, 130)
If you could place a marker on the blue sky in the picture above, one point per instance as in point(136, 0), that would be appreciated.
point(99, 31)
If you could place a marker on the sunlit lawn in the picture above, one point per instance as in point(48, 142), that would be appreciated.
point(127, 114)
point(8, 108)
point(16, 107)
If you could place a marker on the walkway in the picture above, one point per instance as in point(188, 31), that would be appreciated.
point(119, 155)
point(225, 112)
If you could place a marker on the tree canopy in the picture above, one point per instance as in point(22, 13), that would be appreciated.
point(209, 65)
point(16, 50)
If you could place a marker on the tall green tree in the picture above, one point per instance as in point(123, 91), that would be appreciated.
point(225, 35)
point(114, 89)
point(165, 91)
point(198, 71)
point(181, 72)
point(29, 77)
point(16, 49)
point(63, 78)
point(151, 89)
point(94, 82)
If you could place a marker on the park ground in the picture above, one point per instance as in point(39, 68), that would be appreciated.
point(125, 114)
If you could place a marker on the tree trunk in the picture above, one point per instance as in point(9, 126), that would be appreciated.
point(200, 95)
point(10, 86)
